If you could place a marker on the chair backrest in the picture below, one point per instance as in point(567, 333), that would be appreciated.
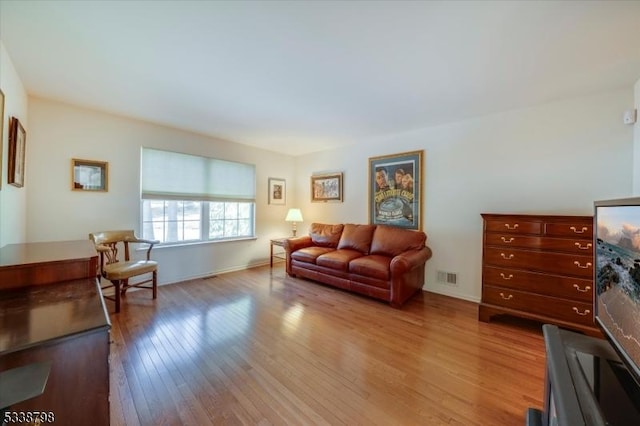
point(107, 243)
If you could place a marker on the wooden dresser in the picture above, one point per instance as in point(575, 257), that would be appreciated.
point(51, 310)
point(539, 267)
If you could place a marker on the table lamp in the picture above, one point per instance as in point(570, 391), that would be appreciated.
point(294, 215)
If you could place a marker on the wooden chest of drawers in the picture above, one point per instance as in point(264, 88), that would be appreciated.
point(539, 267)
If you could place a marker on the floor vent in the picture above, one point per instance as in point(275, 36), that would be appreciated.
point(448, 277)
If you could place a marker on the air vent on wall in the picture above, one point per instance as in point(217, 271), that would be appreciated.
point(450, 278)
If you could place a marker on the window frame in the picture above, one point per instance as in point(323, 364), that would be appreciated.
point(205, 221)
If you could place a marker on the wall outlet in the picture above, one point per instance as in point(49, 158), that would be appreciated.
point(630, 116)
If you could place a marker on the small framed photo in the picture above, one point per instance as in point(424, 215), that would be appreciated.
point(17, 149)
point(89, 175)
point(327, 187)
point(277, 191)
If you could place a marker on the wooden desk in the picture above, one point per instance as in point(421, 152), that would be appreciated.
point(279, 242)
point(51, 309)
point(32, 264)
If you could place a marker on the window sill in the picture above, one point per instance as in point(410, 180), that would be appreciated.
point(195, 243)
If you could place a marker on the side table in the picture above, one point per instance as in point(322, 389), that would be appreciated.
point(280, 243)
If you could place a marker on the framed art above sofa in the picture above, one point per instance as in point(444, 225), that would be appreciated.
point(326, 187)
point(395, 190)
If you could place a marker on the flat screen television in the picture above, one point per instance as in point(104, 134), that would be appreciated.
point(617, 277)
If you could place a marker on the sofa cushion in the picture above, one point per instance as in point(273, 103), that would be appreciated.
point(338, 259)
point(374, 266)
point(325, 235)
point(310, 254)
point(391, 241)
point(356, 237)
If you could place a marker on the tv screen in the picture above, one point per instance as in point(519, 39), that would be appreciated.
point(617, 277)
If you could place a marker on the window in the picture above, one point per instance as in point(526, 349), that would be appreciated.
point(187, 198)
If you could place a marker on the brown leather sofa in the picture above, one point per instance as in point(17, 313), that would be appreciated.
point(379, 261)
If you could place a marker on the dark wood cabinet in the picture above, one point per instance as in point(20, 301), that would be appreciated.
point(539, 267)
point(51, 310)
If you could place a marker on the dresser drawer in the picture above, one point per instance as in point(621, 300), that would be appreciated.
point(552, 285)
point(569, 245)
point(576, 230)
point(561, 309)
point(555, 263)
point(513, 226)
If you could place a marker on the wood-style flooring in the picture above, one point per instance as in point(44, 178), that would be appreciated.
point(258, 347)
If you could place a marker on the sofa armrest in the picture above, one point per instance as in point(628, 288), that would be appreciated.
point(408, 260)
point(293, 244)
point(297, 243)
point(407, 274)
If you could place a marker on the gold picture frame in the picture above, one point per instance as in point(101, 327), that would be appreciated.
point(89, 175)
point(277, 191)
point(326, 187)
point(17, 149)
point(1, 132)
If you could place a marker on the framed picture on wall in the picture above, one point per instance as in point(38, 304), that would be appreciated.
point(1, 131)
point(17, 149)
point(277, 191)
point(89, 175)
point(327, 187)
point(395, 190)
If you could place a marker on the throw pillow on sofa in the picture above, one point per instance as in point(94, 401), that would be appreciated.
point(325, 235)
point(356, 237)
point(390, 241)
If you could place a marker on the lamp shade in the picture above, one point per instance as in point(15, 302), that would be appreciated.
point(294, 215)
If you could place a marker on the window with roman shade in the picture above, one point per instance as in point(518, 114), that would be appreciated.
point(190, 198)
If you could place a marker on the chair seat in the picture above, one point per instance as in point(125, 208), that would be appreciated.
point(124, 270)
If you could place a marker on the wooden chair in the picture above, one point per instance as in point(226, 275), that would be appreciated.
point(118, 271)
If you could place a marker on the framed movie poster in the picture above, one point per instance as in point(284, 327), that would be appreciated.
point(395, 190)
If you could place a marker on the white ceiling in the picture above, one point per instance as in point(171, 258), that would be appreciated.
point(304, 76)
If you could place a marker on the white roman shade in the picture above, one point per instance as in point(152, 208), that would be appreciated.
point(170, 175)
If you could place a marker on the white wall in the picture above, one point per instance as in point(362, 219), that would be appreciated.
point(636, 142)
point(13, 201)
point(552, 159)
point(60, 132)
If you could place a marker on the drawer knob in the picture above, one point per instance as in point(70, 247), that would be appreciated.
point(507, 257)
point(579, 231)
point(583, 247)
point(509, 297)
point(582, 290)
point(511, 227)
point(504, 240)
point(579, 265)
point(504, 277)
point(584, 313)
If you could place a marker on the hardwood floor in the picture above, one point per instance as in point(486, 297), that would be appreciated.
point(258, 347)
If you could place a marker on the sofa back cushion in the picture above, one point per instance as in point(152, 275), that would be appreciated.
point(356, 237)
point(391, 241)
point(325, 235)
